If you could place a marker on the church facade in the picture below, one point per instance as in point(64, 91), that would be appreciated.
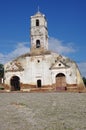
point(41, 68)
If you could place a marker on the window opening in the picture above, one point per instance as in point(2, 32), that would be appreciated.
point(37, 22)
point(37, 43)
point(38, 61)
point(59, 64)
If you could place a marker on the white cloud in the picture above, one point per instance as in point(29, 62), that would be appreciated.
point(82, 67)
point(1, 58)
point(60, 47)
point(54, 45)
point(21, 48)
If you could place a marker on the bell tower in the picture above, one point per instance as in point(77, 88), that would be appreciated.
point(39, 33)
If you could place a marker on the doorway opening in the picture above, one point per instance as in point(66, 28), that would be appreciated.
point(15, 83)
point(60, 80)
point(39, 85)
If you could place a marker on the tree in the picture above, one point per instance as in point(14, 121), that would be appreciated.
point(1, 70)
point(84, 80)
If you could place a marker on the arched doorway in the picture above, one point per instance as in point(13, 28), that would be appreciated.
point(15, 83)
point(60, 81)
point(39, 83)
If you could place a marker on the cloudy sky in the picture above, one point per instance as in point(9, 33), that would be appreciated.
point(66, 26)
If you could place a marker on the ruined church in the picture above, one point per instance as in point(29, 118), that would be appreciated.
point(41, 69)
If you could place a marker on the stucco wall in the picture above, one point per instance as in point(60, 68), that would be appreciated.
point(39, 67)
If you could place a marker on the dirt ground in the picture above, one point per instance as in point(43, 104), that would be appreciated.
point(42, 111)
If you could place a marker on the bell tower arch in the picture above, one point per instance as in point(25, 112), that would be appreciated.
point(38, 33)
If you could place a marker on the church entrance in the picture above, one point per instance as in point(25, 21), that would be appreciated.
point(15, 83)
point(39, 83)
point(60, 81)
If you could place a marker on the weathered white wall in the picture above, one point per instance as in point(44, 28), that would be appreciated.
point(40, 67)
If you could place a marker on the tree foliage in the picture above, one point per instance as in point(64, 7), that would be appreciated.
point(1, 70)
point(84, 80)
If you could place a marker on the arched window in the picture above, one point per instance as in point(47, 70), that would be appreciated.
point(37, 43)
point(37, 22)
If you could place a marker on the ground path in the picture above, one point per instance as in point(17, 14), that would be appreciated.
point(42, 111)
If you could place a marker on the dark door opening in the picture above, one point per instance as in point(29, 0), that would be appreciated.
point(39, 83)
point(15, 83)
